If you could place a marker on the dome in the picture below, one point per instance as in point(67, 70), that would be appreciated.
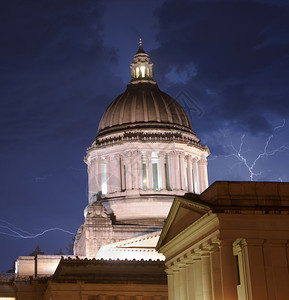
point(144, 105)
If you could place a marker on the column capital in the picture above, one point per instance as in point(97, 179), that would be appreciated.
point(195, 159)
point(169, 271)
point(189, 157)
point(128, 153)
point(203, 161)
point(148, 153)
point(115, 155)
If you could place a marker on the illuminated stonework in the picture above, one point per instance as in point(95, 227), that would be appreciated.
point(141, 67)
point(145, 153)
point(231, 243)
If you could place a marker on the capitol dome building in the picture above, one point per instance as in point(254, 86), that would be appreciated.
point(144, 154)
point(146, 166)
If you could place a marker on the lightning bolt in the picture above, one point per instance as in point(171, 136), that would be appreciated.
point(239, 153)
point(15, 232)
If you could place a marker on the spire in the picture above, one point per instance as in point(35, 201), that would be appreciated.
point(140, 48)
point(141, 67)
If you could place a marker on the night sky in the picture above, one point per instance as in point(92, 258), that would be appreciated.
point(63, 62)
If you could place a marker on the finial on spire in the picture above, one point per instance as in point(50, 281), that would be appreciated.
point(140, 48)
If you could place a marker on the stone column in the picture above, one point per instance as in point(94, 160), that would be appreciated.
point(196, 176)
point(176, 277)
point(116, 173)
point(206, 276)
point(123, 173)
point(172, 173)
point(133, 170)
point(170, 277)
point(182, 171)
point(163, 172)
point(228, 271)
point(190, 278)
point(203, 174)
point(136, 169)
point(150, 170)
point(98, 174)
point(108, 174)
point(90, 200)
point(216, 272)
point(198, 282)
point(93, 175)
point(190, 181)
point(139, 168)
point(183, 282)
point(177, 171)
point(128, 164)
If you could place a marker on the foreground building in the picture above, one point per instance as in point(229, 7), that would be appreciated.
point(230, 242)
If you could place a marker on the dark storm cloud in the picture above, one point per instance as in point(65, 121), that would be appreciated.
point(56, 81)
point(240, 54)
point(54, 66)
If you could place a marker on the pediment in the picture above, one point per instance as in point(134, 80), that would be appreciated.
point(183, 213)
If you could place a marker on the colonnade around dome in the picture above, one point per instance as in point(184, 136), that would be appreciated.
point(141, 171)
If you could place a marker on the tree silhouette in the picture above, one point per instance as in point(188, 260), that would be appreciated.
point(69, 248)
point(36, 251)
point(60, 252)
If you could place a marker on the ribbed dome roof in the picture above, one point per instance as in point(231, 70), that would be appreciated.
point(144, 105)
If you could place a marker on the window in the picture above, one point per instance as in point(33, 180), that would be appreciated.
point(156, 171)
point(142, 69)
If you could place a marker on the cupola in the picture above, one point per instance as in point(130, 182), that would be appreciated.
point(141, 67)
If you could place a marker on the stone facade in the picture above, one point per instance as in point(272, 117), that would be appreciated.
point(230, 242)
